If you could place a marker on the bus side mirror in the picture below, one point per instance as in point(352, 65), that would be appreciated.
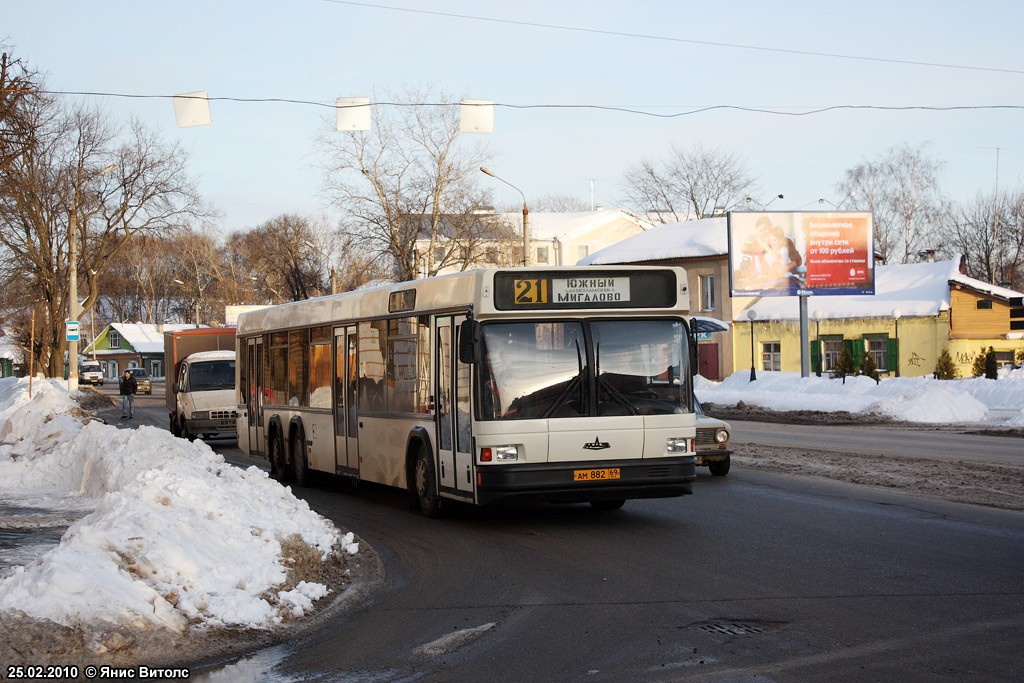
point(174, 388)
point(469, 332)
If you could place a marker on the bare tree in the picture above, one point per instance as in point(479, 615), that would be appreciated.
point(559, 203)
point(1011, 242)
point(59, 172)
point(279, 259)
point(990, 235)
point(409, 180)
point(197, 264)
point(17, 86)
point(901, 189)
point(138, 284)
point(690, 183)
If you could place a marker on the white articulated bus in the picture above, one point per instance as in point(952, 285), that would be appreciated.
point(550, 384)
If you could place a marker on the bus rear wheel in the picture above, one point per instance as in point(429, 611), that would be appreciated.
point(278, 460)
point(426, 484)
point(302, 473)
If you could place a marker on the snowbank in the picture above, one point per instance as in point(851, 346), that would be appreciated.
point(176, 536)
point(911, 399)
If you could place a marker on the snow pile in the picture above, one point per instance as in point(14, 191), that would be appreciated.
point(911, 399)
point(177, 537)
point(36, 425)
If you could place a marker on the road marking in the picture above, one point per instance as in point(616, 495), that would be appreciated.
point(453, 641)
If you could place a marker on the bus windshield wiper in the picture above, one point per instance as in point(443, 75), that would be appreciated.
point(570, 387)
point(611, 390)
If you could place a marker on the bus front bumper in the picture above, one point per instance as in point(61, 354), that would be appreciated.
point(580, 482)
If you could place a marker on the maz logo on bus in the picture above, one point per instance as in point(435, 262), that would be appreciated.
point(597, 445)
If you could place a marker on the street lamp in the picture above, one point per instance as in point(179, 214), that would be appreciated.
point(526, 216)
point(817, 341)
point(852, 193)
point(896, 313)
point(751, 200)
point(752, 315)
point(334, 274)
point(73, 278)
point(266, 284)
point(196, 300)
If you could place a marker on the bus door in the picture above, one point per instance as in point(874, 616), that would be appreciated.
point(452, 410)
point(346, 433)
point(254, 394)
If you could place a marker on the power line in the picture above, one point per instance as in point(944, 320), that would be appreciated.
point(778, 111)
point(644, 36)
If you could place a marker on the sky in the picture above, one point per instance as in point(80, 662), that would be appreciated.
point(259, 160)
point(155, 500)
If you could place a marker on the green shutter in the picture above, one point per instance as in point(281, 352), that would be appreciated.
point(856, 347)
point(816, 356)
point(893, 348)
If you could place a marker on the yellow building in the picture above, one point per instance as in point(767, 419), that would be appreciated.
point(917, 311)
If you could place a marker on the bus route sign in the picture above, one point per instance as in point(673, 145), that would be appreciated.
point(588, 289)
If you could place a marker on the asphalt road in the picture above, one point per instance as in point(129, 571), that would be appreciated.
point(882, 440)
point(753, 578)
point(756, 577)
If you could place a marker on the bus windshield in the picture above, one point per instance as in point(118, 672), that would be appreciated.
point(211, 375)
point(567, 369)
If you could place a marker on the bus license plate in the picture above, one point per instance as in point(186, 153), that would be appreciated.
point(595, 475)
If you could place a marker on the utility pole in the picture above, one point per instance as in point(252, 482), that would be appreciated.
point(995, 223)
point(73, 280)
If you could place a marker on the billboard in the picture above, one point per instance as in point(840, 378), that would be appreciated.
point(790, 253)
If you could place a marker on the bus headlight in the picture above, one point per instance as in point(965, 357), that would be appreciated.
point(499, 454)
point(201, 415)
point(722, 435)
point(677, 445)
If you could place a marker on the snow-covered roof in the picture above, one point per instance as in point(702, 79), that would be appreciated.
point(10, 349)
point(688, 239)
point(706, 324)
point(146, 337)
point(912, 289)
point(569, 226)
point(211, 355)
point(982, 286)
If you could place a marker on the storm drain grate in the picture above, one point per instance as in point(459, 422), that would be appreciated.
point(735, 627)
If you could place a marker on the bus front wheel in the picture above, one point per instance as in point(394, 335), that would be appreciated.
point(426, 484)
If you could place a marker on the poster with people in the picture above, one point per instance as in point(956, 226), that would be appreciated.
point(787, 253)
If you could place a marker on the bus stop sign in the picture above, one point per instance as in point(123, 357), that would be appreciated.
point(72, 330)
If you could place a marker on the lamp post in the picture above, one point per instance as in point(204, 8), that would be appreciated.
point(266, 284)
point(751, 200)
point(196, 301)
point(73, 279)
point(526, 216)
point(334, 274)
point(852, 193)
point(817, 341)
point(752, 315)
point(896, 313)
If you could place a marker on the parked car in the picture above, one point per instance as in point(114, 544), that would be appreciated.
point(90, 372)
point(142, 377)
point(712, 444)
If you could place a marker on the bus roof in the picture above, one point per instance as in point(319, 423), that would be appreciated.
point(491, 293)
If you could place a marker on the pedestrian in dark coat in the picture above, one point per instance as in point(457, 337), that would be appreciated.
point(128, 386)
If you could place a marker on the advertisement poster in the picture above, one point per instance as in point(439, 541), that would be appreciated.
point(789, 253)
